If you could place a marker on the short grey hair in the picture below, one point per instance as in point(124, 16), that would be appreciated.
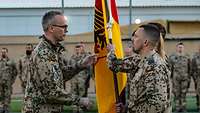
point(48, 19)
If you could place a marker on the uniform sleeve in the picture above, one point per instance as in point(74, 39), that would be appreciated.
point(193, 68)
point(171, 64)
point(189, 65)
point(14, 72)
point(71, 68)
point(189, 70)
point(20, 69)
point(128, 64)
point(48, 79)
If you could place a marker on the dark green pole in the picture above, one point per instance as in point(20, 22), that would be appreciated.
point(130, 19)
point(63, 7)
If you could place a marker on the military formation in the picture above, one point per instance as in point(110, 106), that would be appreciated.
point(153, 76)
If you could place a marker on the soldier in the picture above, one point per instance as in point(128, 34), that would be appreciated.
point(24, 66)
point(50, 69)
point(128, 51)
point(195, 72)
point(80, 82)
point(180, 76)
point(149, 85)
point(88, 71)
point(8, 73)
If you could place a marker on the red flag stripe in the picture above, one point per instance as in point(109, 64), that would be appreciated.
point(114, 11)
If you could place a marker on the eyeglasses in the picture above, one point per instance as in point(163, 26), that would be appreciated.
point(61, 26)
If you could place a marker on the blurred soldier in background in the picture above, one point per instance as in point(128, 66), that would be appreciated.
point(195, 72)
point(80, 82)
point(8, 73)
point(23, 66)
point(50, 69)
point(88, 71)
point(180, 76)
point(128, 53)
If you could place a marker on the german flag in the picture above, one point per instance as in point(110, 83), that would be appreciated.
point(106, 13)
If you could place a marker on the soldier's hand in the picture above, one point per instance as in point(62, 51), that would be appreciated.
point(89, 60)
point(120, 108)
point(85, 103)
point(113, 63)
point(110, 48)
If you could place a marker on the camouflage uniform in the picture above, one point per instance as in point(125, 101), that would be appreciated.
point(180, 78)
point(23, 70)
point(8, 73)
point(128, 62)
point(45, 87)
point(78, 82)
point(149, 87)
point(195, 71)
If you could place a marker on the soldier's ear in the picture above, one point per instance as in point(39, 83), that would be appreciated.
point(146, 42)
point(50, 28)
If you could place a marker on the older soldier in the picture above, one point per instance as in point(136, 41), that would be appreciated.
point(180, 76)
point(195, 71)
point(49, 70)
point(24, 66)
point(149, 86)
point(8, 73)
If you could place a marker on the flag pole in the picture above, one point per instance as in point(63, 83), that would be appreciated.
point(109, 27)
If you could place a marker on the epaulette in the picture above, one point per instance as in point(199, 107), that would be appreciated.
point(151, 60)
point(173, 56)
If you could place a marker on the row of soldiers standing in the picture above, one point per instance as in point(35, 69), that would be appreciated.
point(183, 69)
point(9, 71)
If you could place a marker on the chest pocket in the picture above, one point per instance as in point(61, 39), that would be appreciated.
point(181, 63)
point(6, 71)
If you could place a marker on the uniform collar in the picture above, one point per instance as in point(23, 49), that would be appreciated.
point(180, 54)
point(57, 47)
point(146, 57)
point(149, 54)
point(5, 59)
